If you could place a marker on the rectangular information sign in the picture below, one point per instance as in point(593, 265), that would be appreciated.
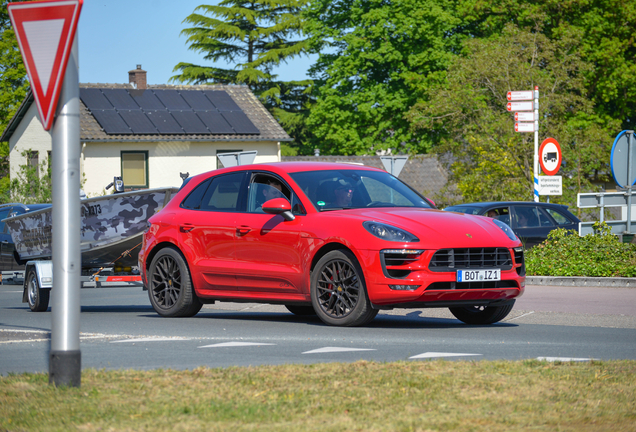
point(524, 127)
point(550, 185)
point(524, 116)
point(520, 95)
point(520, 106)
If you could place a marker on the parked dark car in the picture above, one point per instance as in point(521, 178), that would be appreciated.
point(7, 248)
point(531, 221)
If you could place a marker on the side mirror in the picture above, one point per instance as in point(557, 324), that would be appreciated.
point(279, 206)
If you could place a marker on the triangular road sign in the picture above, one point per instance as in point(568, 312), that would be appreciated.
point(45, 31)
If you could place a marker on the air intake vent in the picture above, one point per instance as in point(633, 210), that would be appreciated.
point(445, 260)
point(398, 264)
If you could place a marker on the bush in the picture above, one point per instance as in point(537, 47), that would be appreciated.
point(565, 253)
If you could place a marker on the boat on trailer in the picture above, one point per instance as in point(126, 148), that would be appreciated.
point(112, 227)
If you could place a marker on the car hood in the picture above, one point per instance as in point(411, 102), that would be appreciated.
point(437, 228)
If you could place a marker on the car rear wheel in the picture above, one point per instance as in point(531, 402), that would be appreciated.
point(482, 314)
point(37, 297)
point(338, 291)
point(170, 287)
point(301, 310)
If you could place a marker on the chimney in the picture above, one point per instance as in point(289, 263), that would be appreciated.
point(137, 77)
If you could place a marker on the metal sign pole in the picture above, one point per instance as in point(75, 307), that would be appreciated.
point(65, 355)
point(630, 140)
point(536, 144)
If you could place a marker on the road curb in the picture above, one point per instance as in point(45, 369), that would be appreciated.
point(582, 281)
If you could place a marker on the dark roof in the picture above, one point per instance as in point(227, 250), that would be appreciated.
point(90, 130)
point(423, 173)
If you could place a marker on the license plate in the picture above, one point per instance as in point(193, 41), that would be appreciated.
point(478, 275)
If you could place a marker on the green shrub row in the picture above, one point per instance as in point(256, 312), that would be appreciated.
point(565, 253)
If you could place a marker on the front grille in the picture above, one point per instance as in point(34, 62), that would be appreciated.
point(445, 260)
point(471, 285)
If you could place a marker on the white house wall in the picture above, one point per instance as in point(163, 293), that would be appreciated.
point(166, 160)
point(29, 135)
point(101, 161)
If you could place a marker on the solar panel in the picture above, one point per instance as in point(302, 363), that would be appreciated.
point(197, 100)
point(164, 122)
point(190, 122)
point(172, 100)
point(215, 122)
point(94, 99)
point(120, 98)
point(111, 121)
point(138, 122)
point(240, 122)
point(146, 99)
point(222, 101)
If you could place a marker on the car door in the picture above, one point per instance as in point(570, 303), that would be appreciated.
point(268, 255)
point(207, 228)
point(531, 224)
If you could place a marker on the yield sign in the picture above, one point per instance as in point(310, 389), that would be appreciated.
point(45, 31)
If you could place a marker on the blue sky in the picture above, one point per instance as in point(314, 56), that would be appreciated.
point(117, 35)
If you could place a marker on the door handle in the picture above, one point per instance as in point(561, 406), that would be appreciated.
point(186, 227)
point(243, 229)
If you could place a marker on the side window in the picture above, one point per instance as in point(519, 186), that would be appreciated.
point(527, 217)
point(193, 200)
point(544, 220)
point(223, 193)
point(265, 187)
point(558, 217)
point(499, 213)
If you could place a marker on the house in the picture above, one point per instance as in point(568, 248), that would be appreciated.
point(150, 134)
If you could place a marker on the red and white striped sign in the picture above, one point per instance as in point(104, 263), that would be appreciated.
point(520, 95)
point(520, 106)
point(524, 127)
point(45, 31)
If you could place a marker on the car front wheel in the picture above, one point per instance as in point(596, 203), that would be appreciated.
point(338, 291)
point(170, 287)
point(482, 314)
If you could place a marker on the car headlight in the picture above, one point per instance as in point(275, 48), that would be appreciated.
point(388, 232)
point(505, 228)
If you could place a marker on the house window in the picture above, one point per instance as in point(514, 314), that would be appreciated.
point(33, 161)
point(134, 169)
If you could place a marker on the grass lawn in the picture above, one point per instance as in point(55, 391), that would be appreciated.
point(363, 396)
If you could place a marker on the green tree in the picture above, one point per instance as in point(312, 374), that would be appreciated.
point(605, 29)
point(13, 89)
point(489, 161)
point(32, 184)
point(375, 56)
point(254, 36)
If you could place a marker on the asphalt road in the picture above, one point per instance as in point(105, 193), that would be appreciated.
point(119, 329)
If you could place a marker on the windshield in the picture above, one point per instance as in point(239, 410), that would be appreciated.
point(347, 189)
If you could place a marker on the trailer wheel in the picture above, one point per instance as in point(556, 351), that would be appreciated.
point(170, 287)
point(37, 297)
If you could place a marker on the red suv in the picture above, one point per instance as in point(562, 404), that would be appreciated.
point(340, 241)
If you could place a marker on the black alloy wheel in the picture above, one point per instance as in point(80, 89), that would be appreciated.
point(170, 287)
point(479, 315)
point(338, 290)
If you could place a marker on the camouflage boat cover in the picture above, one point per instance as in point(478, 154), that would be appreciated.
point(111, 225)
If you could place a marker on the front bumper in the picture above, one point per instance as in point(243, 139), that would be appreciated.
point(422, 287)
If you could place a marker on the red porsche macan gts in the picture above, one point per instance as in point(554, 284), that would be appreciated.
point(340, 241)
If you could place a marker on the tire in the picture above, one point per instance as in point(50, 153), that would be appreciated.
point(37, 297)
point(170, 286)
point(482, 314)
point(345, 302)
point(301, 310)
